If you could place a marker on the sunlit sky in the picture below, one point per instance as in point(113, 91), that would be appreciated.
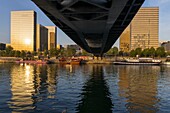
point(9, 5)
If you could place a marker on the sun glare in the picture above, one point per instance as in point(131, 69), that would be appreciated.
point(27, 41)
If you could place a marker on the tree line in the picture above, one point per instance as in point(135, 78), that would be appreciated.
point(69, 52)
point(10, 52)
point(148, 52)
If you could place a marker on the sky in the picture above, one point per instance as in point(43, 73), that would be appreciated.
point(6, 6)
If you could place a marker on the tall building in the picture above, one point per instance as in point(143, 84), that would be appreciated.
point(23, 30)
point(166, 45)
point(125, 40)
point(143, 31)
point(59, 46)
point(41, 38)
point(2, 46)
point(52, 36)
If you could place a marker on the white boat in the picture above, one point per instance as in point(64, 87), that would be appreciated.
point(140, 61)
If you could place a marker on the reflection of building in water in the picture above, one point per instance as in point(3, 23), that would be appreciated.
point(138, 84)
point(51, 80)
point(95, 94)
point(28, 82)
point(22, 87)
point(45, 80)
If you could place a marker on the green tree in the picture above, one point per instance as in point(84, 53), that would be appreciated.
point(9, 50)
point(115, 51)
point(110, 52)
point(23, 54)
point(138, 51)
point(17, 54)
point(145, 52)
point(132, 53)
point(34, 53)
point(46, 52)
point(121, 53)
point(160, 52)
point(152, 52)
point(2, 53)
point(70, 52)
point(52, 52)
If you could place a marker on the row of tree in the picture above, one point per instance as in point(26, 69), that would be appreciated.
point(148, 52)
point(10, 52)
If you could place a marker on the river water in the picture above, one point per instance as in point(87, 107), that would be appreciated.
point(84, 89)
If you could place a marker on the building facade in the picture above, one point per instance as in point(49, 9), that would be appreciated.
point(125, 40)
point(52, 37)
point(59, 46)
point(166, 45)
point(2, 46)
point(143, 31)
point(23, 30)
point(41, 38)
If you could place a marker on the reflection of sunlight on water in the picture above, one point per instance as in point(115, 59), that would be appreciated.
point(22, 87)
point(52, 88)
point(69, 67)
point(27, 74)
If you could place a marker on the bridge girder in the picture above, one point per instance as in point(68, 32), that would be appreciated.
point(95, 25)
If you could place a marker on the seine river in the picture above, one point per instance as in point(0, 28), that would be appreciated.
point(84, 89)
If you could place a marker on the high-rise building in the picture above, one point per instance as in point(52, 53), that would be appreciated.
point(41, 38)
point(23, 30)
point(143, 31)
point(52, 36)
point(166, 45)
point(2, 46)
point(59, 46)
point(125, 40)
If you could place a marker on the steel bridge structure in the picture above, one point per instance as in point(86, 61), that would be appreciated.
point(94, 25)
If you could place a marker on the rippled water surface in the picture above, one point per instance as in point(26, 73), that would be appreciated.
point(84, 89)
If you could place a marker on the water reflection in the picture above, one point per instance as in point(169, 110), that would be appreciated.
point(22, 87)
point(95, 94)
point(138, 85)
point(32, 85)
point(84, 89)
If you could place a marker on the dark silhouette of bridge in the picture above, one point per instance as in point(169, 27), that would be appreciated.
point(94, 25)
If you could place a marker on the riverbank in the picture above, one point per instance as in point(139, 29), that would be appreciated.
point(56, 61)
point(9, 59)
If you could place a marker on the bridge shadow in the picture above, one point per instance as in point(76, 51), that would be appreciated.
point(95, 94)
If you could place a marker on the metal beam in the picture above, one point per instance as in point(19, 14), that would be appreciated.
point(97, 5)
point(133, 2)
point(66, 7)
point(112, 18)
point(44, 4)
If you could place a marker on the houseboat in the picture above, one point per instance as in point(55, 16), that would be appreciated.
point(140, 61)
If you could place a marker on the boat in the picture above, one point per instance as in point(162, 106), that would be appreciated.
point(140, 61)
point(167, 61)
point(63, 61)
point(75, 61)
point(34, 61)
point(72, 61)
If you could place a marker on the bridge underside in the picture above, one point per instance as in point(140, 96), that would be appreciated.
point(95, 25)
